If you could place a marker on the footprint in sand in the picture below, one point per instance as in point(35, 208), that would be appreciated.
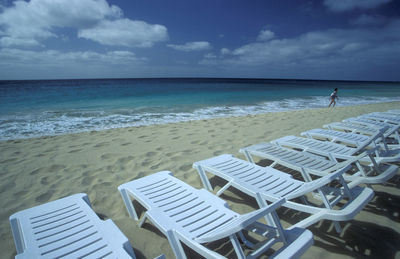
point(150, 154)
point(217, 153)
point(44, 180)
point(54, 168)
point(75, 151)
point(102, 144)
point(140, 175)
point(186, 167)
point(154, 167)
point(35, 172)
point(21, 193)
point(45, 196)
point(9, 160)
point(88, 180)
point(108, 156)
point(145, 163)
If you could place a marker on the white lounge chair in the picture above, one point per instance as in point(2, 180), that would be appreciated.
point(388, 153)
point(391, 113)
point(352, 128)
point(353, 139)
point(392, 131)
point(68, 228)
point(267, 184)
point(309, 163)
point(185, 214)
point(367, 130)
point(339, 151)
point(394, 111)
point(384, 117)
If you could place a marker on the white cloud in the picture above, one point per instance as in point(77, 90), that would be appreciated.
point(93, 19)
point(23, 64)
point(225, 51)
point(210, 56)
point(10, 42)
point(320, 51)
point(37, 18)
point(54, 58)
point(191, 46)
point(366, 20)
point(265, 35)
point(125, 32)
point(347, 5)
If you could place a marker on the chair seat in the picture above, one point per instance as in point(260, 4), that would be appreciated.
point(182, 207)
point(67, 227)
point(185, 214)
point(269, 184)
point(385, 117)
point(392, 129)
point(316, 146)
point(289, 158)
point(352, 128)
point(313, 159)
point(333, 135)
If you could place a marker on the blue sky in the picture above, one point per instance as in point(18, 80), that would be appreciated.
point(326, 39)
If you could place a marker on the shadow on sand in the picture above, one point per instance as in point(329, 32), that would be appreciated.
point(359, 239)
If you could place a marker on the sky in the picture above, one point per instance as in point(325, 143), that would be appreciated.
point(289, 39)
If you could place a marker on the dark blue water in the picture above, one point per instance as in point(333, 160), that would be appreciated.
point(51, 107)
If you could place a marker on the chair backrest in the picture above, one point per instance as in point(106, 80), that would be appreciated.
point(67, 227)
point(316, 146)
point(353, 127)
point(251, 177)
point(360, 141)
point(191, 211)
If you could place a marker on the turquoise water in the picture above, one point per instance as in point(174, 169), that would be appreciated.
point(41, 108)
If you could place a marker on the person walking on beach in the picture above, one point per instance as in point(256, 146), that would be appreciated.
point(333, 98)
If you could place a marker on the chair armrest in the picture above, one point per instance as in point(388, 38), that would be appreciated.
point(239, 223)
point(317, 184)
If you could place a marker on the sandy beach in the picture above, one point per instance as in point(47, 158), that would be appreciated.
point(39, 170)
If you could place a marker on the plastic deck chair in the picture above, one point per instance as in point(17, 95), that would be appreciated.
point(68, 228)
point(311, 164)
point(383, 151)
point(267, 184)
point(191, 216)
point(392, 131)
point(394, 111)
point(384, 117)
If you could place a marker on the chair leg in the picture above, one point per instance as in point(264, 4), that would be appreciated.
point(237, 247)
point(142, 220)
point(248, 157)
point(128, 204)
point(272, 218)
point(245, 241)
point(262, 204)
point(328, 205)
point(176, 245)
point(204, 179)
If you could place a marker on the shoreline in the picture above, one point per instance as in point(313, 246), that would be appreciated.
point(189, 120)
point(37, 170)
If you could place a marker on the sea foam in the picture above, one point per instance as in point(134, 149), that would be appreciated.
point(47, 123)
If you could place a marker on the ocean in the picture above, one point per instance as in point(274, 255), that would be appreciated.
point(53, 107)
